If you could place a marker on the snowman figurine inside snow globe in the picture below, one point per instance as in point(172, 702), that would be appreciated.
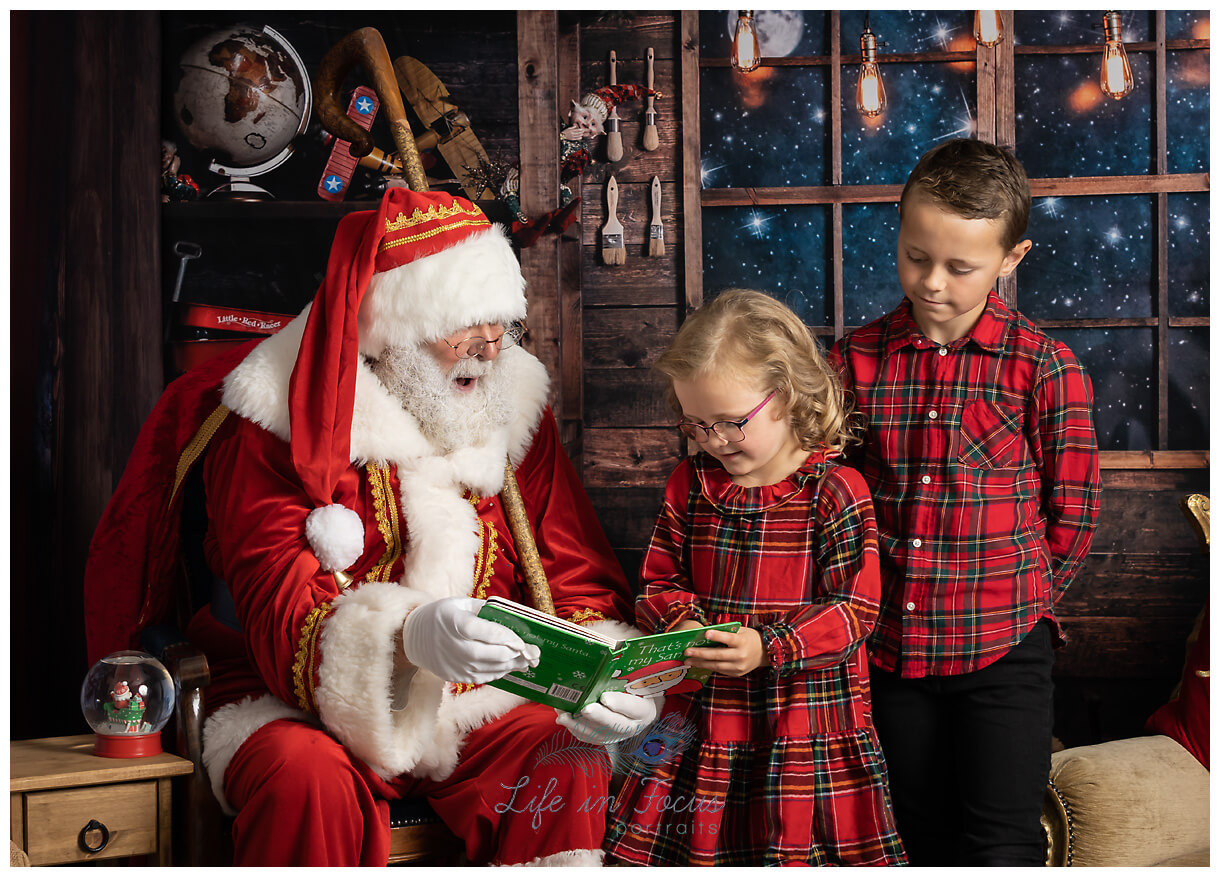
point(127, 698)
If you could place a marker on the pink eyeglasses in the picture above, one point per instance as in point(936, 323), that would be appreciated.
point(729, 430)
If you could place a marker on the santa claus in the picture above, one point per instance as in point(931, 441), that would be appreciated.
point(120, 695)
point(352, 470)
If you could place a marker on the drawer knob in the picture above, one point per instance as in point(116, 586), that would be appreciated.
point(93, 827)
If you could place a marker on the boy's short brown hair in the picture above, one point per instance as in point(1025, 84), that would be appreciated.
point(975, 180)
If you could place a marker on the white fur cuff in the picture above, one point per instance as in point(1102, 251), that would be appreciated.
point(567, 859)
point(336, 535)
point(229, 727)
point(356, 679)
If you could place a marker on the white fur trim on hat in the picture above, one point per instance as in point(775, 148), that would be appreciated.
point(336, 535)
point(475, 281)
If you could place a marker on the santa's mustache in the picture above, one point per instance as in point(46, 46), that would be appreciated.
point(449, 417)
point(471, 368)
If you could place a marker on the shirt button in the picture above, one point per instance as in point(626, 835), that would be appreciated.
point(932, 415)
point(927, 479)
point(944, 351)
point(910, 607)
point(915, 543)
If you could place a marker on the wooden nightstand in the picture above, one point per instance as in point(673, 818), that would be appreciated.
point(67, 801)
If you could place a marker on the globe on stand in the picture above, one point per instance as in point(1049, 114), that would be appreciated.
point(127, 698)
point(243, 95)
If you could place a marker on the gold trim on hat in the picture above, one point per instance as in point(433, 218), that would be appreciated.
point(387, 244)
point(433, 213)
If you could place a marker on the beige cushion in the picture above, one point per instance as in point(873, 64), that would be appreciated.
point(1136, 802)
point(1197, 859)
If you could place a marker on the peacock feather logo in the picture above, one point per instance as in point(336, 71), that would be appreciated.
point(660, 743)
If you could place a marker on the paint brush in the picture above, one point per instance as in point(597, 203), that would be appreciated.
point(614, 137)
point(613, 250)
point(656, 231)
point(651, 141)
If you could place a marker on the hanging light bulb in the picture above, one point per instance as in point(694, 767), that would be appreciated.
point(870, 92)
point(987, 28)
point(1116, 78)
point(745, 43)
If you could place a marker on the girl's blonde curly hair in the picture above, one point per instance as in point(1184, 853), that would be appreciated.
point(747, 335)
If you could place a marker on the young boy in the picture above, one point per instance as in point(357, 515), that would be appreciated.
point(982, 460)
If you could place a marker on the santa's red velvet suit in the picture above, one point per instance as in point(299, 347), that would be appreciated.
point(321, 718)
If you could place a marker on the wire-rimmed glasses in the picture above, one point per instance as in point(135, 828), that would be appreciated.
point(476, 344)
point(729, 430)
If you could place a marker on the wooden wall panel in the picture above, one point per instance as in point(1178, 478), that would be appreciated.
point(629, 338)
point(538, 104)
point(637, 512)
point(1137, 595)
point(642, 279)
point(96, 286)
point(628, 457)
point(625, 397)
point(571, 304)
point(631, 311)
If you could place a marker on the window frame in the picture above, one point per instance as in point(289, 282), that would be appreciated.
point(995, 70)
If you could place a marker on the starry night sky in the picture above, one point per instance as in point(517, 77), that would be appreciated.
point(1067, 127)
point(1093, 256)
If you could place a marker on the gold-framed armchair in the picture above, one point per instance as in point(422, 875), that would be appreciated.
point(1144, 800)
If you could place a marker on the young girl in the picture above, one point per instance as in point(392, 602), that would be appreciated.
point(764, 527)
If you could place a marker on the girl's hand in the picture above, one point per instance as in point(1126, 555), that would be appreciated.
point(741, 653)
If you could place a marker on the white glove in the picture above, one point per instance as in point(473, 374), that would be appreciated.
point(448, 639)
point(616, 716)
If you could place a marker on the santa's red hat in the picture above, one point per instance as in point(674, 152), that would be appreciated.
point(420, 267)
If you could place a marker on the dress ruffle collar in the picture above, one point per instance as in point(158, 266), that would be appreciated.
point(729, 498)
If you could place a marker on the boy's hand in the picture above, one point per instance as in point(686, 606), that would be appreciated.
point(741, 653)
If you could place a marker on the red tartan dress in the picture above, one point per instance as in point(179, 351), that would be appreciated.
point(785, 767)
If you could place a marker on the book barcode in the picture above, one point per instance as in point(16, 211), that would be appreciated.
point(564, 693)
point(523, 682)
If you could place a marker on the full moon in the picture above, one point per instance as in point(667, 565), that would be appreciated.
point(779, 30)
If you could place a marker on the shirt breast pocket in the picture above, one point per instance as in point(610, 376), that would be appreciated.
point(991, 436)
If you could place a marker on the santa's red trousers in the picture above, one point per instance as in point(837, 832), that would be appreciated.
point(523, 788)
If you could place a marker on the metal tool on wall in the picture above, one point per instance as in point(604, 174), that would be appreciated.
point(651, 141)
point(185, 251)
point(656, 231)
point(614, 251)
point(614, 137)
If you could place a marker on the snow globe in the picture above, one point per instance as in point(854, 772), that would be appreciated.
point(127, 698)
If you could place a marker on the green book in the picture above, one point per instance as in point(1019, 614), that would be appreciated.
point(577, 664)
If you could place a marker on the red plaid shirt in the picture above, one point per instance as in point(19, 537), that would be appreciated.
point(982, 461)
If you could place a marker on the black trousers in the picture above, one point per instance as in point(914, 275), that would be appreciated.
point(968, 757)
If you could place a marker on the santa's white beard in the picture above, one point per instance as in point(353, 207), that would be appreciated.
point(450, 419)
